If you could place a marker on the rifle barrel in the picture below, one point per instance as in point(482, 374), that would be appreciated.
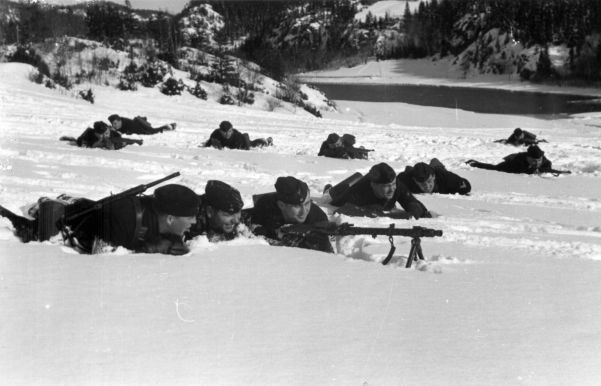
point(408, 232)
point(170, 176)
point(114, 197)
point(349, 230)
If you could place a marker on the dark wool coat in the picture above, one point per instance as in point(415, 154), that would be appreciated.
point(236, 141)
point(515, 163)
point(446, 182)
point(116, 224)
point(89, 139)
point(137, 125)
point(528, 139)
point(335, 152)
point(361, 195)
point(266, 218)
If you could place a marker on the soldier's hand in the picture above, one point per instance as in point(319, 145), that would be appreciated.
point(169, 247)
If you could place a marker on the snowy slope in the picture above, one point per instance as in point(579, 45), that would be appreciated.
point(508, 295)
point(394, 9)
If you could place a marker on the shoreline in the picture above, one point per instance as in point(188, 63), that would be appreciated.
point(433, 73)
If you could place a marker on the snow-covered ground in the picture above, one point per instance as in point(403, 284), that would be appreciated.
point(509, 295)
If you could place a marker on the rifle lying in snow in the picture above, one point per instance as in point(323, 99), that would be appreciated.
point(346, 229)
point(556, 172)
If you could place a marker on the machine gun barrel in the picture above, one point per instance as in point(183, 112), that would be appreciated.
point(346, 229)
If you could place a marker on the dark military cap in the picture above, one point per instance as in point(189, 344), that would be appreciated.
point(535, 152)
point(422, 171)
point(176, 200)
point(381, 173)
point(333, 138)
point(113, 118)
point(517, 131)
point(100, 127)
point(222, 196)
point(348, 139)
point(225, 125)
point(291, 190)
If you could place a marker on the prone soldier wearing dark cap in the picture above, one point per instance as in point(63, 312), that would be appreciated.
point(433, 178)
point(101, 136)
point(289, 204)
point(532, 161)
point(332, 147)
point(227, 137)
point(138, 125)
point(146, 224)
point(376, 194)
point(348, 143)
point(220, 212)
point(522, 137)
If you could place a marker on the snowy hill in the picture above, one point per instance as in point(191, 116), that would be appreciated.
point(198, 25)
point(87, 64)
point(508, 295)
point(393, 8)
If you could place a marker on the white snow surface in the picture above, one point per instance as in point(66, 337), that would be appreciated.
point(509, 295)
point(394, 9)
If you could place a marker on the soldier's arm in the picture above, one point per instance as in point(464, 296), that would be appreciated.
point(453, 183)
point(546, 166)
point(359, 211)
point(411, 204)
point(167, 246)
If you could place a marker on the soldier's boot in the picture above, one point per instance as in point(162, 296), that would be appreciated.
point(25, 229)
point(49, 213)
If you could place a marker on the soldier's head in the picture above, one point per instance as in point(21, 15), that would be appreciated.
point(333, 140)
point(293, 199)
point(382, 179)
point(177, 207)
point(115, 121)
point(348, 140)
point(227, 128)
point(534, 156)
point(424, 177)
point(518, 133)
point(101, 129)
point(223, 206)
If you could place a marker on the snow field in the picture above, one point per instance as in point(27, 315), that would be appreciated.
point(508, 295)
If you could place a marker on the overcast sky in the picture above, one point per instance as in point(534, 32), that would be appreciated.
point(173, 6)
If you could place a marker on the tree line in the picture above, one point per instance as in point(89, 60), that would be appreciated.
point(430, 30)
point(542, 22)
